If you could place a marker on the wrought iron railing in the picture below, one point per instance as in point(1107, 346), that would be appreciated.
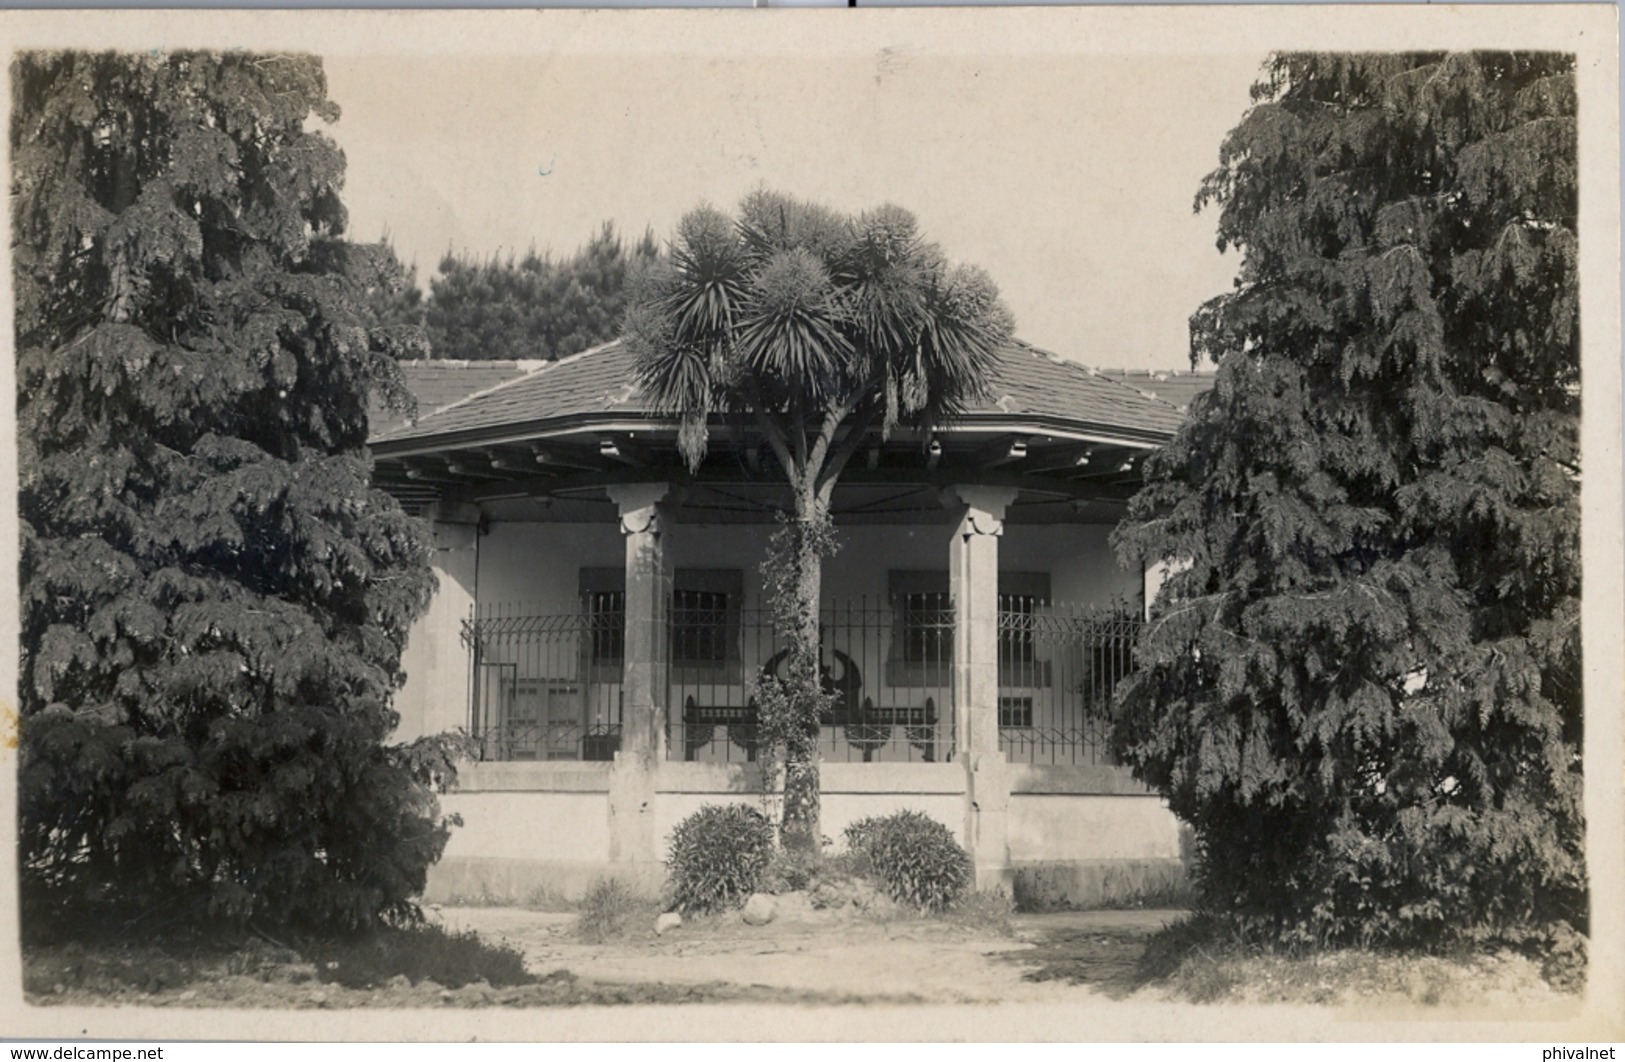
point(550, 741)
point(546, 686)
point(1088, 745)
point(549, 686)
point(886, 664)
point(1059, 665)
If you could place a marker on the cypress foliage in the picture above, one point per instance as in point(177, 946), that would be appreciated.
point(214, 601)
point(1362, 685)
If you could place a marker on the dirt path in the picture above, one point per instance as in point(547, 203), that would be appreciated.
point(1049, 958)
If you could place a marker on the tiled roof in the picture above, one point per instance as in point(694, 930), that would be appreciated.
point(1027, 382)
point(437, 384)
point(1038, 383)
point(1175, 386)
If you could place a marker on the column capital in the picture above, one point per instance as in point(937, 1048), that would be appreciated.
point(984, 507)
point(639, 505)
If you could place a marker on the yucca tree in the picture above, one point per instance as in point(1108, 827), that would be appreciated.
point(821, 329)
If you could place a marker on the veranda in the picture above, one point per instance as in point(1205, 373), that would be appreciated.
point(550, 686)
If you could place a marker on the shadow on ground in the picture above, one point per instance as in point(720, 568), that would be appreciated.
point(1060, 957)
point(1101, 950)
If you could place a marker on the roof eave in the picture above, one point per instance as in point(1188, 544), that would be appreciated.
point(972, 423)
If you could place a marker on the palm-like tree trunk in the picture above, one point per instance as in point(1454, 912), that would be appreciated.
point(813, 464)
point(800, 827)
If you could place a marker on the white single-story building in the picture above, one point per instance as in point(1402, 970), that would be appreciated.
point(600, 621)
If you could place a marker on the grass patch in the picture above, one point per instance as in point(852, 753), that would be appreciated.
point(542, 898)
point(1108, 959)
point(262, 975)
point(984, 910)
point(1199, 960)
point(613, 910)
point(419, 953)
point(123, 968)
point(198, 961)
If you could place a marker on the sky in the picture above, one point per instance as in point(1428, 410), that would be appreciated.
point(1069, 177)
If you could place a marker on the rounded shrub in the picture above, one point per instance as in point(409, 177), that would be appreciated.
point(717, 858)
point(913, 857)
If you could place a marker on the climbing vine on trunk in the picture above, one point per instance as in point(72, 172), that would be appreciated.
point(788, 708)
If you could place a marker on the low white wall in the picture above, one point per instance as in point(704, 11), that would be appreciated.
point(853, 791)
point(1052, 826)
point(849, 792)
point(539, 832)
point(1087, 813)
point(570, 827)
point(1088, 837)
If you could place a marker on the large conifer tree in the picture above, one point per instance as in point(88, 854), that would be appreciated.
point(214, 601)
point(1362, 686)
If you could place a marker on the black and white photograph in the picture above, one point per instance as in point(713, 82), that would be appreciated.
point(1067, 524)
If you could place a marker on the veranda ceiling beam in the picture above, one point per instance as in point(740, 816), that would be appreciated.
point(472, 466)
point(508, 461)
point(1112, 467)
point(429, 474)
point(625, 451)
point(559, 457)
point(1003, 452)
point(1065, 459)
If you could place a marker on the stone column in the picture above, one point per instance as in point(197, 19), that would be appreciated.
point(632, 839)
point(973, 580)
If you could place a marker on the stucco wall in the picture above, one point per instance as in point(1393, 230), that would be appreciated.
point(435, 696)
point(568, 827)
point(538, 831)
point(1083, 569)
point(849, 791)
point(1045, 826)
point(1091, 813)
point(537, 564)
point(1084, 837)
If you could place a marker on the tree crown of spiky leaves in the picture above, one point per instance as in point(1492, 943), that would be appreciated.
point(795, 311)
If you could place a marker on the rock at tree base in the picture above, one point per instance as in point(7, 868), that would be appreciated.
point(667, 922)
point(759, 909)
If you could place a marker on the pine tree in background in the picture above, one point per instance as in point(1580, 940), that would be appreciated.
point(214, 601)
point(397, 304)
point(532, 307)
point(1362, 686)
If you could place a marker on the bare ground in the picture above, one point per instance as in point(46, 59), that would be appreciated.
point(804, 958)
point(1047, 958)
